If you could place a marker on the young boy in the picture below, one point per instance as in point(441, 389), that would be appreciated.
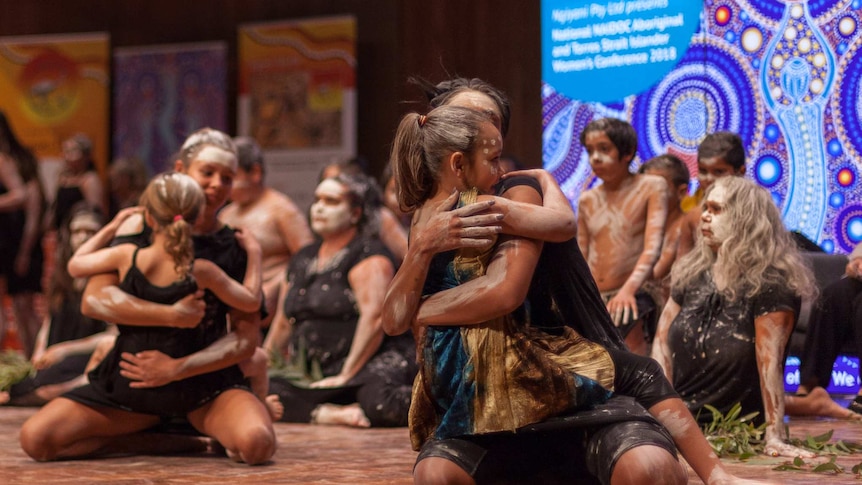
point(720, 154)
point(621, 227)
point(675, 173)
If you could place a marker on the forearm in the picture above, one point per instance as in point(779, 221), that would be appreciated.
point(253, 279)
point(278, 335)
point(661, 349)
point(366, 342)
point(281, 326)
point(104, 300)
point(98, 241)
point(642, 272)
point(405, 291)
point(552, 222)
point(229, 350)
point(42, 337)
point(555, 221)
point(84, 345)
point(771, 334)
point(498, 292)
point(643, 269)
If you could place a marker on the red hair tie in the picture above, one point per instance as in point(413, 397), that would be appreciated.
point(421, 120)
point(178, 217)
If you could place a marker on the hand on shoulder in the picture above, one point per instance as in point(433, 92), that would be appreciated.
point(129, 221)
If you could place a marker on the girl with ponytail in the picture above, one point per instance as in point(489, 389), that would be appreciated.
point(171, 204)
point(163, 272)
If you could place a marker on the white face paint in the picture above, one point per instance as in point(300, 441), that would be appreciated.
point(598, 158)
point(81, 228)
point(219, 156)
point(716, 226)
point(331, 212)
point(483, 171)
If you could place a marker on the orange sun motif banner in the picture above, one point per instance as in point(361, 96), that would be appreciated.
point(297, 97)
point(54, 86)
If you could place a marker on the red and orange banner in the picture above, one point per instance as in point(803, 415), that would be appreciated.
point(54, 86)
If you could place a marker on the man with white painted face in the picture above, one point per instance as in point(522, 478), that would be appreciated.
point(620, 229)
point(722, 336)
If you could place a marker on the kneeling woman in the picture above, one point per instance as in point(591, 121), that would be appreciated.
point(499, 397)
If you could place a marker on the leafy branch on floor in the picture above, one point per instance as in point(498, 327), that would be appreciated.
point(799, 465)
point(298, 370)
point(734, 435)
point(821, 444)
point(13, 368)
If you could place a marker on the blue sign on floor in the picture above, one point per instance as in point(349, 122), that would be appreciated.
point(845, 375)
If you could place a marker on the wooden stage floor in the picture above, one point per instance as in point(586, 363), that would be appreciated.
point(327, 455)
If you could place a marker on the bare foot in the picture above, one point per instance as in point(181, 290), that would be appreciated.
point(818, 403)
point(350, 415)
point(274, 406)
point(775, 447)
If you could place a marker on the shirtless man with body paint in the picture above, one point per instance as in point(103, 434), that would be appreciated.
point(271, 217)
point(719, 154)
point(621, 227)
point(731, 311)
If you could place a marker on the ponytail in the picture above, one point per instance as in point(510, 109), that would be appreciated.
point(174, 201)
point(422, 143)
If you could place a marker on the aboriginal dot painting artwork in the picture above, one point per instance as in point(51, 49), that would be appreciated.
point(786, 75)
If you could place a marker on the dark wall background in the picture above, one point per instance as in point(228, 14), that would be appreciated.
point(497, 40)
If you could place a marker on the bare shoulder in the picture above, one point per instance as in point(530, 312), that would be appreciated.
point(372, 265)
point(131, 226)
point(228, 213)
point(650, 182)
point(282, 201)
point(588, 198)
point(589, 194)
point(204, 271)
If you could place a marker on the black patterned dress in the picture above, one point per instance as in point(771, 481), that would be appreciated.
point(712, 346)
point(322, 308)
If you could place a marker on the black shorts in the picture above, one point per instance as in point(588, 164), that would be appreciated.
point(575, 455)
